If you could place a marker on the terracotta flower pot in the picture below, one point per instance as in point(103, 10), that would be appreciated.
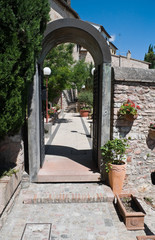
point(146, 237)
point(134, 219)
point(84, 113)
point(116, 177)
point(152, 134)
point(129, 117)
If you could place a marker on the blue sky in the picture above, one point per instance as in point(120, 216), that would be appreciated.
point(131, 22)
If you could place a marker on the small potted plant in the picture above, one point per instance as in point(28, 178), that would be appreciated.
point(128, 110)
point(113, 153)
point(85, 100)
point(51, 112)
point(152, 130)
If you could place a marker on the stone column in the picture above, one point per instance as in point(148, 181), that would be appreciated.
point(34, 128)
point(106, 109)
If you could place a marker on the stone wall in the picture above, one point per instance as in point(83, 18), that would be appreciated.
point(12, 151)
point(137, 85)
point(11, 156)
point(59, 10)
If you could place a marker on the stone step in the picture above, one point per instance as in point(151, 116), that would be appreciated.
point(67, 193)
point(69, 176)
point(70, 198)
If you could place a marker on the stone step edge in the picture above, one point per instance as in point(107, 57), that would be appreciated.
point(69, 198)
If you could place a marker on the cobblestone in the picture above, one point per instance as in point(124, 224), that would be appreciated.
point(71, 221)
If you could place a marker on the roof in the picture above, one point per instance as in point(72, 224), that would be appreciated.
point(102, 28)
point(68, 7)
point(113, 45)
point(118, 56)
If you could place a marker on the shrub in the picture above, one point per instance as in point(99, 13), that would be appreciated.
point(85, 98)
point(21, 33)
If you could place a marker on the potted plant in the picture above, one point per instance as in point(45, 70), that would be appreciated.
point(152, 131)
point(51, 112)
point(131, 211)
point(128, 110)
point(113, 153)
point(85, 100)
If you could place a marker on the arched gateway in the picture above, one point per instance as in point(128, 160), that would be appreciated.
point(82, 33)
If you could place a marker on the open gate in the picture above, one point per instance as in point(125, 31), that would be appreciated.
point(83, 34)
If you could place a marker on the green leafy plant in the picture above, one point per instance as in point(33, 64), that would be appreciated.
point(128, 107)
point(57, 107)
point(114, 152)
point(21, 33)
point(85, 99)
point(9, 172)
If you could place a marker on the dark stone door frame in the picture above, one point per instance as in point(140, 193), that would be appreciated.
point(84, 34)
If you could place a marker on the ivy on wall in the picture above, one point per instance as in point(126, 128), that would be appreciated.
point(22, 24)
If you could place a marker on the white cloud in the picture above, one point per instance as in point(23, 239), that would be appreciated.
point(112, 39)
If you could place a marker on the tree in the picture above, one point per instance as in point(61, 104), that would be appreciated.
point(65, 72)
point(150, 56)
point(60, 60)
point(21, 34)
point(81, 74)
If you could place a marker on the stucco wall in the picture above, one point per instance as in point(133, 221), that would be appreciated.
point(137, 85)
point(122, 61)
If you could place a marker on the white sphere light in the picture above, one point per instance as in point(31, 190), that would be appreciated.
point(92, 71)
point(47, 71)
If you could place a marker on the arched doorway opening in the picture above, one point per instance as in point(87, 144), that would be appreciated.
point(82, 33)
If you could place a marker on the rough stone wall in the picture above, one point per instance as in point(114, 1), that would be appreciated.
point(137, 85)
point(122, 61)
point(58, 11)
point(12, 151)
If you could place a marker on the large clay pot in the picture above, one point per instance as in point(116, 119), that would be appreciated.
point(116, 177)
point(84, 113)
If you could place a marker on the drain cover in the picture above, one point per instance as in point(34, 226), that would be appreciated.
point(35, 231)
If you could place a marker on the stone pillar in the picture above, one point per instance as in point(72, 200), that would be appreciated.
point(34, 128)
point(106, 103)
point(106, 109)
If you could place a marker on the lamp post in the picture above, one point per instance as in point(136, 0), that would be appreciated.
point(47, 72)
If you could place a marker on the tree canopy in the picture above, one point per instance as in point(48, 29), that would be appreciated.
point(21, 32)
point(65, 72)
point(150, 56)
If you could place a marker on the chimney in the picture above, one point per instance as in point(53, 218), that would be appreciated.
point(68, 2)
point(128, 54)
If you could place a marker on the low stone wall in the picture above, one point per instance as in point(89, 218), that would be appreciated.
point(11, 156)
point(137, 85)
point(12, 150)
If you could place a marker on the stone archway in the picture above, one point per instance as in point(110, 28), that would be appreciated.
point(82, 33)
